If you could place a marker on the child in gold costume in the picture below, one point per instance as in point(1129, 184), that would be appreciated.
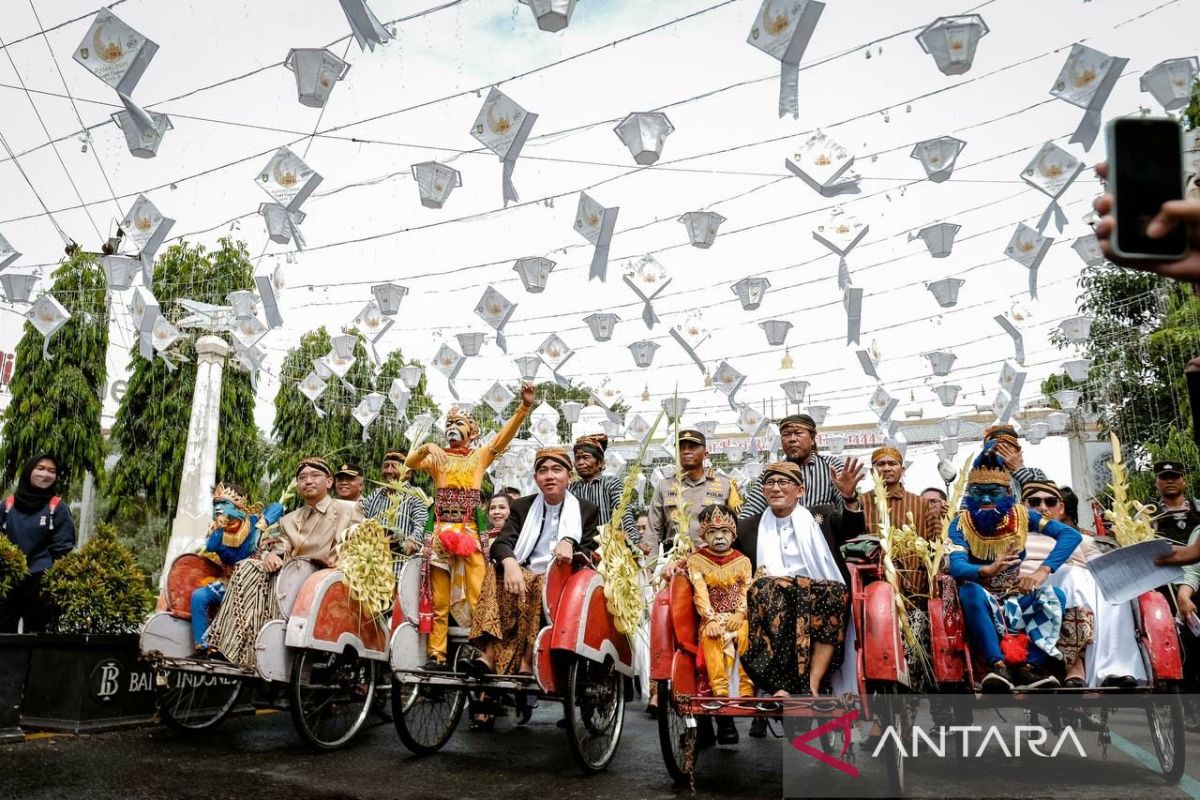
point(720, 578)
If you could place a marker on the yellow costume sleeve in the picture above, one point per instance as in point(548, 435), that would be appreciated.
point(735, 497)
point(700, 592)
point(509, 431)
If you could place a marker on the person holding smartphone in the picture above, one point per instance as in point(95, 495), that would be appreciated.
point(1172, 215)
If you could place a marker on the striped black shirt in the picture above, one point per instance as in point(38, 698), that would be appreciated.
point(819, 488)
point(605, 493)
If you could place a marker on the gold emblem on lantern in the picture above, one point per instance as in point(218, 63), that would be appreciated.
point(106, 51)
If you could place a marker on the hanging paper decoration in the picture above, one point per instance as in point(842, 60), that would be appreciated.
point(602, 326)
point(883, 404)
point(952, 41)
point(750, 292)
point(939, 238)
point(266, 292)
point(636, 427)
point(503, 126)
point(554, 352)
point(795, 390)
point(399, 395)
point(1088, 248)
point(1018, 339)
point(950, 427)
point(119, 271)
point(702, 227)
point(288, 180)
point(322, 369)
point(1086, 81)
point(945, 291)
point(340, 357)
point(782, 29)
point(551, 15)
point(388, 295)
point(644, 133)
point(840, 234)
point(118, 55)
point(367, 411)
point(448, 362)
point(1171, 81)
point(1037, 432)
point(941, 362)
point(938, 156)
point(776, 330)
point(498, 397)
point(1076, 330)
point(372, 324)
point(7, 253)
point(1051, 172)
point(47, 315)
point(163, 337)
point(283, 226)
point(643, 352)
point(313, 387)
point(534, 272)
point(18, 286)
point(1078, 369)
point(674, 407)
point(750, 420)
point(366, 28)
point(1012, 380)
point(243, 303)
point(949, 447)
point(728, 381)
point(868, 363)
point(824, 165)
point(249, 359)
point(607, 394)
point(690, 334)
point(143, 142)
point(248, 331)
point(316, 71)
point(144, 310)
point(947, 393)
point(527, 367)
point(1028, 247)
point(411, 375)
point(543, 425)
point(648, 279)
point(147, 228)
point(570, 411)
point(1068, 399)
point(852, 302)
point(435, 182)
point(470, 343)
point(1004, 406)
point(494, 309)
point(596, 223)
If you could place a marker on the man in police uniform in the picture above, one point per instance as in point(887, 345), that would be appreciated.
point(1177, 515)
point(348, 482)
point(694, 488)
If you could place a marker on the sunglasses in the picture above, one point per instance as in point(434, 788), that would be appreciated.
point(1045, 502)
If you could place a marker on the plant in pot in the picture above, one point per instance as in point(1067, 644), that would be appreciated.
point(14, 648)
point(85, 672)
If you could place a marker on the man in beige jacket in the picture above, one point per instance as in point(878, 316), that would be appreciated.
point(311, 531)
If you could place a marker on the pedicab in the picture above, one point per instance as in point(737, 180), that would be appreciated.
point(580, 660)
point(883, 676)
point(324, 652)
point(955, 667)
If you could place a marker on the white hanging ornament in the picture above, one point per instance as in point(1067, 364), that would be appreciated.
point(527, 367)
point(1018, 339)
point(47, 315)
point(602, 325)
point(498, 397)
point(644, 133)
point(341, 357)
point(1076, 330)
point(795, 390)
point(316, 71)
point(399, 395)
point(1078, 369)
point(728, 380)
point(8, 253)
point(243, 303)
point(248, 331)
point(313, 387)
point(118, 55)
point(952, 41)
point(750, 420)
point(1003, 406)
point(643, 352)
point(449, 361)
point(144, 310)
point(435, 182)
point(945, 291)
point(776, 331)
point(470, 344)
point(266, 293)
point(636, 427)
point(947, 393)
point(143, 142)
point(1088, 249)
point(883, 404)
point(18, 286)
point(554, 353)
point(608, 394)
point(534, 272)
point(388, 296)
point(840, 234)
point(367, 411)
point(163, 337)
point(938, 156)
point(1012, 380)
point(1067, 399)
point(551, 15)
point(1028, 248)
point(502, 126)
point(410, 375)
point(751, 291)
point(868, 362)
point(596, 223)
point(824, 165)
point(852, 303)
point(648, 279)
point(1171, 82)
point(288, 180)
point(119, 271)
point(495, 309)
point(365, 26)
point(782, 29)
point(690, 334)
point(147, 228)
point(702, 227)
point(939, 238)
point(1086, 80)
point(941, 362)
point(1051, 172)
point(372, 324)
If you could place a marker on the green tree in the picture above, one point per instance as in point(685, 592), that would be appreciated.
point(56, 401)
point(150, 432)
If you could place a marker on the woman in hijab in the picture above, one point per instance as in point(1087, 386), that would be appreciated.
point(40, 524)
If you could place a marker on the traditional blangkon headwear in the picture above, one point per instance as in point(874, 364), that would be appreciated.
point(226, 492)
point(472, 426)
point(785, 468)
point(887, 451)
point(317, 463)
point(395, 455)
point(1048, 486)
point(798, 420)
point(1001, 433)
point(594, 443)
point(560, 455)
point(1009, 535)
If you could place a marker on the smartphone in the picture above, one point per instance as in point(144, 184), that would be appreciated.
point(1145, 170)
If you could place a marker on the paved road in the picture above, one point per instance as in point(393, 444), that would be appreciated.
point(258, 757)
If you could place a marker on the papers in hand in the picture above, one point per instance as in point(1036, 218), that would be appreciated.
point(1126, 572)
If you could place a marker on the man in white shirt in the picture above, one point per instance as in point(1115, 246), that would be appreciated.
point(541, 528)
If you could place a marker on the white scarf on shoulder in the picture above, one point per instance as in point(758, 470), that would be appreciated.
point(570, 525)
point(818, 561)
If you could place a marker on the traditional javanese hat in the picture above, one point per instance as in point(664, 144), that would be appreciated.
point(1001, 433)
point(785, 468)
point(560, 455)
point(395, 455)
point(1050, 487)
point(317, 463)
point(887, 451)
point(798, 420)
point(594, 443)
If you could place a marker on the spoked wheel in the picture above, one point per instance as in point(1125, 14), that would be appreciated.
point(595, 710)
point(890, 709)
point(677, 740)
point(192, 702)
point(426, 716)
point(331, 695)
point(1165, 715)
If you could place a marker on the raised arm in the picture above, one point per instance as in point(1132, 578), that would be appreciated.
point(509, 431)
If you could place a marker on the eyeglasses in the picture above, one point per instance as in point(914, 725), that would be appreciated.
point(314, 475)
point(1046, 502)
point(778, 483)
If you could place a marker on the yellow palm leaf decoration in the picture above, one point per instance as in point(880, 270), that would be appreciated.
point(1132, 521)
point(367, 565)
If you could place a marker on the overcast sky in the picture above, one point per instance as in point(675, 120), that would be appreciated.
point(727, 154)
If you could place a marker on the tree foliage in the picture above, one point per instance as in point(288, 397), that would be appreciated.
point(56, 402)
point(151, 428)
point(98, 588)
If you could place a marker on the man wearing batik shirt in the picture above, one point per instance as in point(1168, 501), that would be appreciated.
point(889, 463)
point(798, 437)
point(402, 513)
point(602, 491)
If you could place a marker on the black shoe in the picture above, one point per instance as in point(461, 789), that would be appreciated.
point(652, 710)
point(997, 680)
point(704, 733)
point(433, 665)
point(1026, 677)
point(758, 728)
point(727, 732)
point(1074, 683)
point(1125, 682)
point(477, 668)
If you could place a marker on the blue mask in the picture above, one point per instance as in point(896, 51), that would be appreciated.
point(998, 499)
point(225, 509)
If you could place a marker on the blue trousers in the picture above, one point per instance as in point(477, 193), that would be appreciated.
point(205, 599)
point(977, 616)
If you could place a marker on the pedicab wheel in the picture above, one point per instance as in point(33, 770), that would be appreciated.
point(331, 695)
point(594, 707)
point(678, 742)
point(890, 709)
point(192, 702)
point(1165, 715)
point(426, 716)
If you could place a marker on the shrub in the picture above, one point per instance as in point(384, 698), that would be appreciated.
point(13, 566)
point(97, 589)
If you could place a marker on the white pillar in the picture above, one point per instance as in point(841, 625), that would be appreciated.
point(87, 511)
point(194, 513)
